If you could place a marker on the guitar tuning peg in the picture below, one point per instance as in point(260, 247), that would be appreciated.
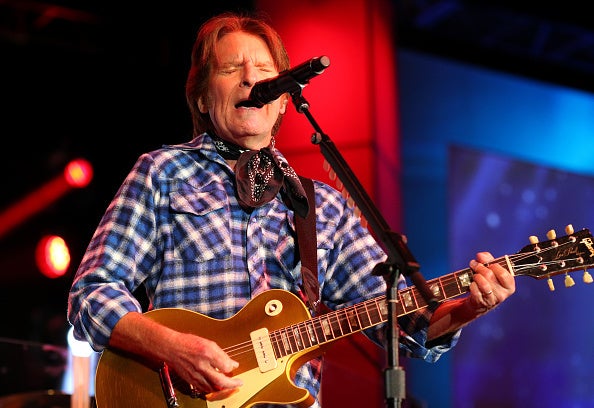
point(533, 239)
point(587, 278)
point(569, 282)
point(551, 234)
point(551, 284)
point(569, 229)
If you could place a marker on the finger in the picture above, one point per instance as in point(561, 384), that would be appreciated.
point(483, 277)
point(476, 299)
point(490, 299)
point(484, 257)
point(505, 279)
point(226, 365)
point(219, 381)
point(219, 359)
point(495, 278)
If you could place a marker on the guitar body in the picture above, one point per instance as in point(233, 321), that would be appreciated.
point(123, 381)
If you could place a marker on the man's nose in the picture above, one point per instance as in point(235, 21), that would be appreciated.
point(250, 76)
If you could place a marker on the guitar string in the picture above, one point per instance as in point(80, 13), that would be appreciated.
point(447, 283)
point(297, 335)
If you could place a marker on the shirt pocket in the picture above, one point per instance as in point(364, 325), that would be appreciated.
point(200, 224)
point(288, 257)
point(326, 241)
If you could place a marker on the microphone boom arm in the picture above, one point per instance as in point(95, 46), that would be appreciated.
point(394, 243)
point(399, 257)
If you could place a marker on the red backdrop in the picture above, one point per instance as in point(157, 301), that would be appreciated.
point(354, 101)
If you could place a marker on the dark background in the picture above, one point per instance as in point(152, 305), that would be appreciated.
point(104, 80)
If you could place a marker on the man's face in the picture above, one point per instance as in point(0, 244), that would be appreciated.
point(241, 60)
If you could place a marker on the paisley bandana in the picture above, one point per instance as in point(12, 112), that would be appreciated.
point(260, 174)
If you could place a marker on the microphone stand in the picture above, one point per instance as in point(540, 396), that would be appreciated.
point(399, 258)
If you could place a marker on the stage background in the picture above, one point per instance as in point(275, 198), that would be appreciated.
point(490, 159)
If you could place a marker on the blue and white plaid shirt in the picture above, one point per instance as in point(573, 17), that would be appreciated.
point(175, 225)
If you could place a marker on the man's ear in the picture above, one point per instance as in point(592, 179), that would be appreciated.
point(284, 102)
point(202, 107)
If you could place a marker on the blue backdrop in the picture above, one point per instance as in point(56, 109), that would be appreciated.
point(489, 159)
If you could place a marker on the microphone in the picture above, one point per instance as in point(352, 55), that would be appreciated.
point(290, 80)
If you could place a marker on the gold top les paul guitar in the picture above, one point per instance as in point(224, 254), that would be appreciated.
point(274, 334)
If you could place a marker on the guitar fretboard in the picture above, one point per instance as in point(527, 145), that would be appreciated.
point(343, 322)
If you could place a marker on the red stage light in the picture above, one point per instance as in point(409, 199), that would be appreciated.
point(78, 173)
point(52, 256)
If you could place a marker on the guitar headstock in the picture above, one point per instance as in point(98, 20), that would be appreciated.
point(557, 255)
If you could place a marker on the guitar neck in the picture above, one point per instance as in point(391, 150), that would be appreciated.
point(343, 322)
point(558, 255)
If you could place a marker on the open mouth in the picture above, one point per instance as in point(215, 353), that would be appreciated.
point(247, 104)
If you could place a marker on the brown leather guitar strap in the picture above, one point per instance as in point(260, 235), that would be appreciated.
point(307, 243)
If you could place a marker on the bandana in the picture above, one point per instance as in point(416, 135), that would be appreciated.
point(260, 174)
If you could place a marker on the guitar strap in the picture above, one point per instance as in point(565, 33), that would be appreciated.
point(307, 243)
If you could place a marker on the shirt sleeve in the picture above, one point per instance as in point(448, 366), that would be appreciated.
point(118, 258)
point(347, 255)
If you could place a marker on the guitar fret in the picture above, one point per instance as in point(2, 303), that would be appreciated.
point(325, 328)
point(344, 322)
point(414, 292)
point(366, 317)
point(346, 326)
point(363, 315)
point(353, 320)
point(407, 301)
point(463, 280)
point(437, 290)
point(380, 310)
point(296, 336)
point(318, 333)
point(400, 309)
point(303, 334)
point(293, 339)
point(334, 320)
point(336, 324)
point(311, 333)
point(276, 344)
point(286, 341)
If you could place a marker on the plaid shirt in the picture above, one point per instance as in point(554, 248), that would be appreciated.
point(175, 225)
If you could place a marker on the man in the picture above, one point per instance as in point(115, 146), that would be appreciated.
point(210, 224)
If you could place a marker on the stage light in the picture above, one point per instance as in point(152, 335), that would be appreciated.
point(78, 173)
point(79, 377)
point(52, 256)
point(77, 347)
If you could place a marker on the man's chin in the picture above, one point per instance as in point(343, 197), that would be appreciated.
point(251, 139)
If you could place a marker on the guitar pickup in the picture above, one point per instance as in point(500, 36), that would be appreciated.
point(263, 349)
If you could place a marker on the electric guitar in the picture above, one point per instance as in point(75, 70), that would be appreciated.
point(274, 334)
